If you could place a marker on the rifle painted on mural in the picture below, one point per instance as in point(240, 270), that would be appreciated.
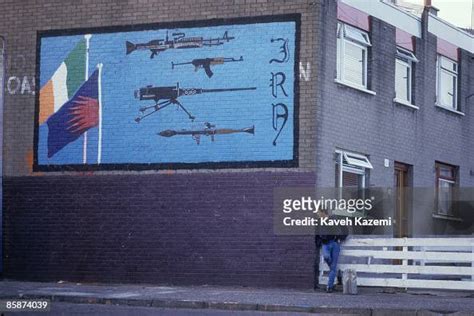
point(206, 63)
point(209, 130)
point(164, 96)
point(179, 41)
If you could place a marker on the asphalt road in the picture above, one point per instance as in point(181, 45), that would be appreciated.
point(67, 309)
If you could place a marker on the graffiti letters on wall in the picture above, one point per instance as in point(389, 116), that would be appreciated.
point(19, 80)
point(181, 95)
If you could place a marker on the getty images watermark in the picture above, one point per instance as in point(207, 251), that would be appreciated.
point(326, 207)
point(370, 211)
point(331, 211)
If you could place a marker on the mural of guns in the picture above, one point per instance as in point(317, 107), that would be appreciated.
point(209, 130)
point(164, 96)
point(206, 63)
point(179, 41)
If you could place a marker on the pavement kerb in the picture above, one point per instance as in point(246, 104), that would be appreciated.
point(188, 304)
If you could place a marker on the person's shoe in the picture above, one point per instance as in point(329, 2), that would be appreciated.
point(329, 289)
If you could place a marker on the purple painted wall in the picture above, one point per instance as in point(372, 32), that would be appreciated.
point(209, 228)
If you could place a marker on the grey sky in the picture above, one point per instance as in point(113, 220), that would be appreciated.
point(457, 12)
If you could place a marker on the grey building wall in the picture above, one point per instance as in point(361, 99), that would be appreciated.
point(374, 125)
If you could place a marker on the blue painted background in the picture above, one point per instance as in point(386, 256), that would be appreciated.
point(125, 141)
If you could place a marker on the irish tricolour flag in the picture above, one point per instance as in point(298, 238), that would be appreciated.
point(64, 83)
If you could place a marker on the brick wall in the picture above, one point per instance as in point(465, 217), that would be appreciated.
point(179, 229)
point(21, 21)
point(206, 226)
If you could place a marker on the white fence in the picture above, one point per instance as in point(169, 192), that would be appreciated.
point(435, 263)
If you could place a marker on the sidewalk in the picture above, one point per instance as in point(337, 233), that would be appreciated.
point(370, 301)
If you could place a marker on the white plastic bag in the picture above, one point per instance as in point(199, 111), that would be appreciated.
point(349, 282)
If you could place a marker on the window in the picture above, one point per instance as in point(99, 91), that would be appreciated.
point(446, 87)
point(403, 75)
point(351, 174)
point(446, 181)
point(352, 49)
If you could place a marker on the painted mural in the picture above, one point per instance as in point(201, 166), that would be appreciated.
point(163, 95)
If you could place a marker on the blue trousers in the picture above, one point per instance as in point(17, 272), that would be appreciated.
point(331, 254)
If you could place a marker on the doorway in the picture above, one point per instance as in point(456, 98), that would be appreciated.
point(402, 205)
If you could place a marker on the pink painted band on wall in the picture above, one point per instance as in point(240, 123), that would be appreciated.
point(352, 16)
point(405, 40)
point(447, 49)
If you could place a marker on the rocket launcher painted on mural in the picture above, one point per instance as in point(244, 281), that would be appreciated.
point(179, 41)
point(209, 130)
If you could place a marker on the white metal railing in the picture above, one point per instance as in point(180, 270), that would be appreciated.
point(436, 263)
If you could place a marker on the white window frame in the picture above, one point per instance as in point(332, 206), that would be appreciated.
point(357, 160)
point(356, 163)
point(352, 163)
point(451, 185)
point(359, 38)
point(454, 73)
point(451, 180)
point(405, 58)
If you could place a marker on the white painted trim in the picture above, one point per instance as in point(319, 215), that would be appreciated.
point(99, 143)
point(466, 242)
point(342, 41)
point(405, 103)
point(454, 74)
point(436, 251)
point(351, 85)
point(409, 83)
point(450, 33)
point(412, 269)
point(389, 13)
point(403, 53)
point(84, 145)
point(415, 255)
point(365, 163)
point(449, 109)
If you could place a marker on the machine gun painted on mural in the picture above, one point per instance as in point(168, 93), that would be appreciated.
point(164, 96)
point(206, 63)
point(179, 41)
point(209, 130)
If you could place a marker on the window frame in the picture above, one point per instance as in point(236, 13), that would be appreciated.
point(343, 36)
point(452, 180)
point(451, 72)
point(405, 58)
point(345, 167)
point(361, 170)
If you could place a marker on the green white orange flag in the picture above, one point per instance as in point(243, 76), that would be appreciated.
point(64, 82)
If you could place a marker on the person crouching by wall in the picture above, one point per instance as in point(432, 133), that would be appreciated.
point(331, 246)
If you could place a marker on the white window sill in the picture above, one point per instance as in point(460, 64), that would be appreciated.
point(450, 110)
point(354, 86)
point(405, 103)
point(447, 217)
